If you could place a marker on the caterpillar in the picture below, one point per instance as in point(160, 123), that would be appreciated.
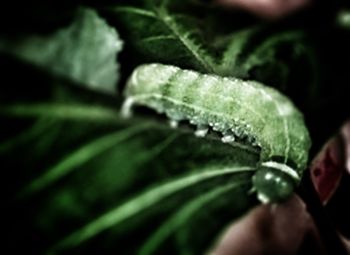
point(238, 110)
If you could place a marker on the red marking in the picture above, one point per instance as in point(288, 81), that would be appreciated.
point(327, 169)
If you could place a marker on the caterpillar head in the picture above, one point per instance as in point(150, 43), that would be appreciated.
point(273, 184)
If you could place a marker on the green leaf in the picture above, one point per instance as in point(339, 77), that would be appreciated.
point(266, 58)
point(165, 36)
point(166, 33)
point(84, 52)
point(91, 181)
point(133, 175)
point(234, 45)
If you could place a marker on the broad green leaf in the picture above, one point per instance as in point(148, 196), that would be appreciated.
point(84, 52)
point(85, 180)
point(165, 36)
point(166, 33)
point(125, 182)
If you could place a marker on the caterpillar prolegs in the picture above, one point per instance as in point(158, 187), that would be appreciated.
point(237, 109)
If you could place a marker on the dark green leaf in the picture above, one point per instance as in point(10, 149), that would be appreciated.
point(92, 182)
point(169, 34)
point(165, 36)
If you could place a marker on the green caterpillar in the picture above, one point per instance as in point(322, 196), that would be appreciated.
point(239, 111)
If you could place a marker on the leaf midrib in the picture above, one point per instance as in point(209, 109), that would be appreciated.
point(165, 18)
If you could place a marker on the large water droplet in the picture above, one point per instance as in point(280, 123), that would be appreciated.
point(228, 139)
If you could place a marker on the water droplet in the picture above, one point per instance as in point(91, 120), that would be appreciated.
point(268, 176)
point(201, 131)
point(216, 127)
point(263, 198)
point(173, 123)
point(228, 139)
